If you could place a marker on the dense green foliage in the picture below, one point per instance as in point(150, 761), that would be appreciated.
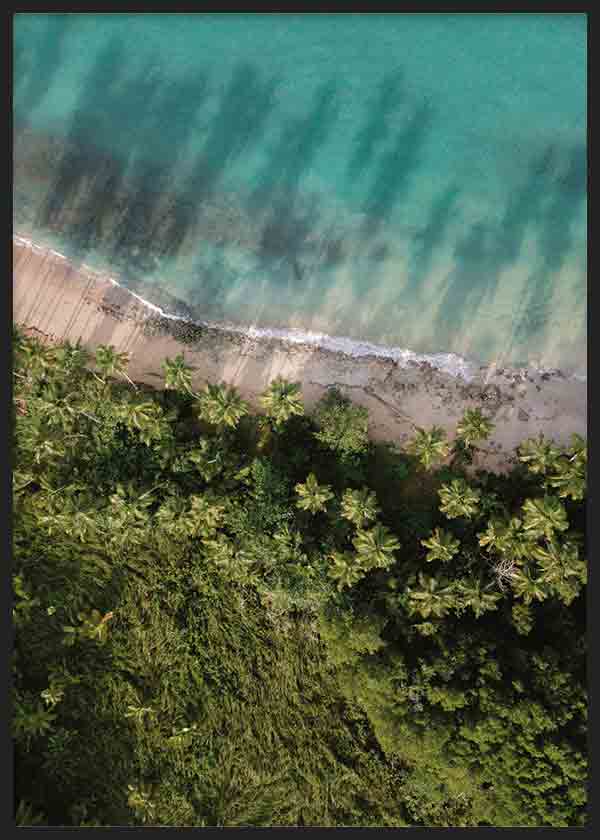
point(229, 619)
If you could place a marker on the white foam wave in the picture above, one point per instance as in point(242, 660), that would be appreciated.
point(450, 363)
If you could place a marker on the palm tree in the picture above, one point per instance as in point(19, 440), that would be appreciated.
point(221, 406)
point(477, 595)
point(578, 448)
point(312, 495)
point(426, 628)
point(544, 516)
point(48, 450)
point(72, 357)
point(458, 499)
point(473, 427)
point(522, 617)
point(56, 411)
point(528, 587)
point(145, 417)
point(359, 506)
point(112, 363)
point(81, 525)
point(289, 544)
point(540, 455)
point(376, 547)
point(178, 375)
point(138, 713)
point(33, 356)
point(31, 721)
point(569, 476)
point(94, 625)
point(569, 480)
point(282, 400)
point(169, 516)
point(429, 446)
point(550, 561)
point(345, 569)
point(140, 801)
point(205, 515)
point(207, 457)
point(442, 546)
point(221, 551)
point(434, 597)
point(506, 537)
point(20, 480)
point(559, 563)
point(127, 518)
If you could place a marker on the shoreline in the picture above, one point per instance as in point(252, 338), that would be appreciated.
point(401, 389)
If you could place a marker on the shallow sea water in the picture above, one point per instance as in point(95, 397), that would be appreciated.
point(416, 181)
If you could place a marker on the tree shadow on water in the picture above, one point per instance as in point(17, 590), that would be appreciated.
point(142, 181)
point(392, 180)
point(292, 223)
point(467, 286)
point(376, 129)
point(45, 62)
point(148, 218)
point(110, 180)
point(239, 124)
point(555, 242)
point(543, 207)
point(428, 240)
point(68, 202)
point(299, 142)
point(241, 120)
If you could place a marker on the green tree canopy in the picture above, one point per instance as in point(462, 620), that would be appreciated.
point(312, 496)
point(221, 406)
point(282, 400)
point(429, 446)
point(341, 426)
point(359, 506)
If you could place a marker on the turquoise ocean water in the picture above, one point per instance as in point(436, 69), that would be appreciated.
point(416, 181)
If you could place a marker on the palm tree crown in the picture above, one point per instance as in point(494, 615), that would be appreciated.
point(544, 516)
point(458, 499)
point(282, 400)
point(477, 595)
point(442, 546)
point(473, 427)
point(33, 356)
point(506, 536)
point(345, 569)
point(429, 446)
point(221, 406)
point(434, 597)
point(178, 375)
point(539, 454)
point(110, 362)
point(376, 547)
point(312, 495)
point(528, 587)
point(359, 506)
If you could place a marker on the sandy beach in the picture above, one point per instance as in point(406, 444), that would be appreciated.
point(59, 300)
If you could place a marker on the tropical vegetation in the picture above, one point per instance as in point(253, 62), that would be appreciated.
point(224, 618)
